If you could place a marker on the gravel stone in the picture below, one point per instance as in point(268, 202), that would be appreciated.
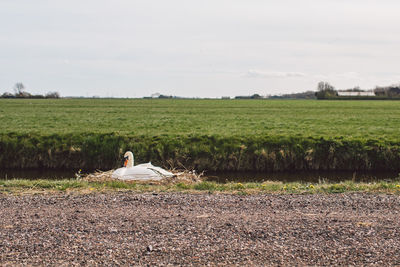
point(125, 228)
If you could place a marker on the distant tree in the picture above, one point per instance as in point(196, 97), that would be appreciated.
point(393, 91)
point(165, 96)
point(19, 89)
point(20, 92)
point(255, 96)
point(325, 90)
point(324, 86)
point(379, 91)
point(242, 97)
point(389, 91)
point(53, 95)
point(7, 95)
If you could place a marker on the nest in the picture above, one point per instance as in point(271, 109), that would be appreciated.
point(179, 177)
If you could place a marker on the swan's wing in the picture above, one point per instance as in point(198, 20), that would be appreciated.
point(136, 173)
point(145, 165)
point(161, 171)
point(118, 173)
point(158, 170)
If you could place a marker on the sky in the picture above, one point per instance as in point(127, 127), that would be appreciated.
point(207, 48)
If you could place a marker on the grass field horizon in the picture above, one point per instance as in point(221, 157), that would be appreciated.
point(262, 135)
point(311, 118)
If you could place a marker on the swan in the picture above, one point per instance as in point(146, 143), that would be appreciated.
point(145, 171)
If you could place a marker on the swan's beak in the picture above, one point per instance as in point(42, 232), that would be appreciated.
point(125, 161)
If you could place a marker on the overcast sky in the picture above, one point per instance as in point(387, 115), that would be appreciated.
point(207, 48)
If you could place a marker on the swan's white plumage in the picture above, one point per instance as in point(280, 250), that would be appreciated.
point(145, 171)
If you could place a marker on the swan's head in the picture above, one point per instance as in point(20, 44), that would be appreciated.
point(128, 159)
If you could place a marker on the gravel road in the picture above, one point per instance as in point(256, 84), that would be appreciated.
point(199, 229)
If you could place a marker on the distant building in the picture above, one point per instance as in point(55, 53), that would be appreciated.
point(368, 93)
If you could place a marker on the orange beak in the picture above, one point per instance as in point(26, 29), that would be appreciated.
point(125, 163)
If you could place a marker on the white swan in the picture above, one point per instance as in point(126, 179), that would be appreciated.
point(140, 172)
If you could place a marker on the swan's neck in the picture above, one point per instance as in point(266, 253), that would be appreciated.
point(130, 162)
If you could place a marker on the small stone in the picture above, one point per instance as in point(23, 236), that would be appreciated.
point(149, 248)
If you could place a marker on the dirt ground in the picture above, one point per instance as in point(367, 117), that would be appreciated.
point(125, 228)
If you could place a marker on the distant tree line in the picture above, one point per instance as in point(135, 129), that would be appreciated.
point(302, 95)
point(161, 96)
point(20, 92)
point(255, 96)
point(390, 91)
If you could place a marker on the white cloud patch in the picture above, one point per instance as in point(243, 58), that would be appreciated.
point(272, 74)
point(351, 75)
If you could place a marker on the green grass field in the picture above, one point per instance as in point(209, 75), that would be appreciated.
point(349, 119)
point(262, 135)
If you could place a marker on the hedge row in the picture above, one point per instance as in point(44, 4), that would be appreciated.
point(214, 153)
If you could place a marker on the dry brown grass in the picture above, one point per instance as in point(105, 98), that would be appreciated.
point(180, 177)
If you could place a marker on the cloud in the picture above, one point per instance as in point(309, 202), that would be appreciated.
point(347, 75)
point(272, 74)
point(343, 76)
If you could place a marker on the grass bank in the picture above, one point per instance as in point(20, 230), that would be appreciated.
point(215, 135)
point(42, 186)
